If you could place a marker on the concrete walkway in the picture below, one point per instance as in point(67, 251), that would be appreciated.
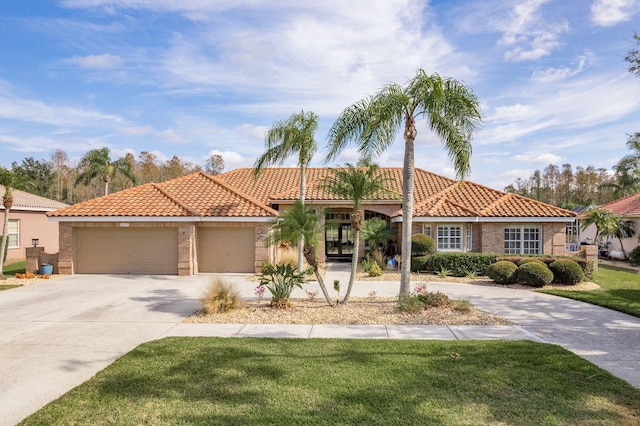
point(56, 335)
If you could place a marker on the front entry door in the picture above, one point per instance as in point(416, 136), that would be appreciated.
point(339, 241)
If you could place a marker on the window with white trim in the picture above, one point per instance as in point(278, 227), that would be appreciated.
point(13, 231)
point(469, 237)
point(449, 237)
point(426, 230)
point(522, 240)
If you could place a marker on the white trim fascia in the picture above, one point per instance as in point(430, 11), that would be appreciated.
point(475, 219)
point(157, 219)
point(31, 209)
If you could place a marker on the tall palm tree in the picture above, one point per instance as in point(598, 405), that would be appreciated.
point(97, 163)
point(300, 223)
point(452, 112)
point(356, 184)
point(294, 136)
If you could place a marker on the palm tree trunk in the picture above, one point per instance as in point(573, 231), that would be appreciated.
point(354, 264)
point(407, 206)
point(622, 248)
point(303, 185)
point(5, 238)
point(310, 255)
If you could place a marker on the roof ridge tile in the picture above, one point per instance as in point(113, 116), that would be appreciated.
point(239, 193)
point(173, 200)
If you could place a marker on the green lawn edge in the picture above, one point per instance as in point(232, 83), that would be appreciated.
point(260, 381)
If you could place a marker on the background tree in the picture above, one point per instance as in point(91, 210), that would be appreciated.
point(356, 184)
point(38, 173)
point(633, 56)
point(214, 165)
point(300, 223)
point(97, 164)
point(604, 221)
point(294, 136)
point(452, 112)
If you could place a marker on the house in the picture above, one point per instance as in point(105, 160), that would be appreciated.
point(28, 221)
point(201, 223)
point(627, 207)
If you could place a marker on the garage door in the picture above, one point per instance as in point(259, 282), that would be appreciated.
point(126, 250)
point(226, 249)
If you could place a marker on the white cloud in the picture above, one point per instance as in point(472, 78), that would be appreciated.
point(550, 75)
point(252, 131)
point(544, 158)
point(136, 130)
point(232, 159)
point(104, 61)
point(607, 13)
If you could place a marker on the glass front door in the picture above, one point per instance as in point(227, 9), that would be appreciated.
point(339, 241)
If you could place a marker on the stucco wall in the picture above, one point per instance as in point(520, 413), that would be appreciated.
point(33, 225)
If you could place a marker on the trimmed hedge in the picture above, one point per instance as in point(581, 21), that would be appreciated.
point(587, 267)
point(535, 274)
point(503, 272)
point(634, 256)
point(462, 264)
point(421, 264)
point(566, 271)
point(421, 243)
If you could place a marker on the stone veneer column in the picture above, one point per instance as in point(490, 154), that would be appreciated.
point(65, 260)
point(186, 249)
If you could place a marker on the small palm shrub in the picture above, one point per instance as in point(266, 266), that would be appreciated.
point(535, 274)
point(503, 272)
point(566, 272)
point(634, 256)
point(422, 244)
point(281, 280)
point(220, 297)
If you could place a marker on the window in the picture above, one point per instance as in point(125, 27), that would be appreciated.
point(13, 231)
point(469, 237)
point(449, 237)
point(426, 230)
point(522, 240)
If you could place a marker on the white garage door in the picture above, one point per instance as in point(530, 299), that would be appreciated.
point(126, 251)
point(226, 250)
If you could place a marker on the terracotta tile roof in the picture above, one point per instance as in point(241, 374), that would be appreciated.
point(26, 201)
point(238, 194)
point(627, 207)
point(196, 194)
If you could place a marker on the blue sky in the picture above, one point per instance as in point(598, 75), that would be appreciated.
point(199, 77)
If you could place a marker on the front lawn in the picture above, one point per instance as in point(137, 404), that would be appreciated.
point(14, 268)
point(620, 290)
point(384, 382)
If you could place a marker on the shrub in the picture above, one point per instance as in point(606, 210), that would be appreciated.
point(461, 264)
point(378, 257)
point(587, 267)
point(421, 263)
point(422, 244)
point(220, 296)
point(535, 274)
point(410, 303)
point(566, 271)
point(434, 299)
point(634, 256)
point(461, 305)
point(529, 259)
point(281, 280)
point(371, 267)
point(503, 272)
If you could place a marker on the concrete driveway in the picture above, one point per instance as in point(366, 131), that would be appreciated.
point(55, 335)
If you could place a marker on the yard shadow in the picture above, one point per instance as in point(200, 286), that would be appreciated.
point(171, 301)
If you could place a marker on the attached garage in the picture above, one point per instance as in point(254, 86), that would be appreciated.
point(226, 249)
point(132, 250)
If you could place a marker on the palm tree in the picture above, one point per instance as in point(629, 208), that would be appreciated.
point(453, 114)
point(376, 232)
point(620, 228)
point(602, 219)
point(97, 163)
point(300, 223)
point(355, 184)
point(294, 136)
point(10, 180)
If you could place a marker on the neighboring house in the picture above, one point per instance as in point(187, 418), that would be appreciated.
point(627, 207)
point(202, 223)
point(28, 221)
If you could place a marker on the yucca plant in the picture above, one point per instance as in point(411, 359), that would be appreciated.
point(281, 280)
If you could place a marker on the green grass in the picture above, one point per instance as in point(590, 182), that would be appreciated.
point(217, 381)
point(620, 290)
point(15, 268)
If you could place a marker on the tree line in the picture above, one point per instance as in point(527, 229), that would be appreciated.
point(97, 173)
point(587, 185)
